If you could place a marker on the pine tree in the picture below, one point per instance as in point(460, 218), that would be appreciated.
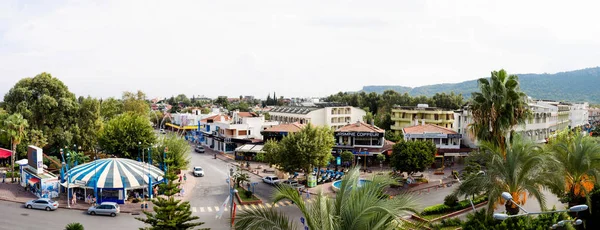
point(169, 213)
point(274, 102)
point(268, 100)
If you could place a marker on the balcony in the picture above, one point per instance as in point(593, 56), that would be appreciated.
point(401, 119)
point(396, 127)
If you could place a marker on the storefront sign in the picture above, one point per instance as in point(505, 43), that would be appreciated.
point(358, 134)
point(454, 135)
point(35, 159)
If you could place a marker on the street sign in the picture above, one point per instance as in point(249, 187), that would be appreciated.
point(338, 160)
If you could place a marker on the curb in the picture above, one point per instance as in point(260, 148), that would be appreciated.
point(62, 207)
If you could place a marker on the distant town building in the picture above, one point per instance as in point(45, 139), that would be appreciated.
point(333, 115)
point(447, 141)
point(363, 140)
point(405, 116)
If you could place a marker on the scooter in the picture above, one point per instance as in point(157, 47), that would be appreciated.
point(215, 156)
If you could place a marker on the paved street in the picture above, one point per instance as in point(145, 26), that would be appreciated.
point(14, 216)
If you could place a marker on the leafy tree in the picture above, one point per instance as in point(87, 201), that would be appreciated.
point(380, 157)
point(267, 116)
point(241, 106)
point(169, 213)
point(178, 151)
point(363, 208)
point(240, 177)
point(182, 99)
point(37, 138)
point(46, 103)
point(391, 136)
point(74, 226)
point(89, 122)
point(223, 101)
point(121, 135)
point(497, 108)
point(520, 172)
point(447, 101)
point(110, 108)
point(347, 156)
point(578, 159)
point(135, 102)
point(260, 157)
point(305, 149)
point(17, 130)
point(368, 118)
point(482, 220)
point(412, 156)
point(206, 110)
point(156, 117)
point(384, 120)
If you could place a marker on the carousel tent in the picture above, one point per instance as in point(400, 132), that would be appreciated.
point(114, 176)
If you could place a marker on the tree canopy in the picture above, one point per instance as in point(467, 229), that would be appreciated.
point(412, 156)
point(110, 108)
point(310, 147)
point(121, 135)
point(135, 102)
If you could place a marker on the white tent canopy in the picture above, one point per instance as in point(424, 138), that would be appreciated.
point(249, 148)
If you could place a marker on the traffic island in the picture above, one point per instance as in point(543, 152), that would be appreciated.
point(246, 197)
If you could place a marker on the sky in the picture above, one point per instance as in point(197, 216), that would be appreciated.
point(294, 48)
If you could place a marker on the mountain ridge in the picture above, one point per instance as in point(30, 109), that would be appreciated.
point(573, 86)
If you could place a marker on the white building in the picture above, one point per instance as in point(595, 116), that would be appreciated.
point(334, 115)
point(224, 134)
point(579, 114)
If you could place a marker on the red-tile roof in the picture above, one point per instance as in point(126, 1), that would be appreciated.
point(215, 118)
point(428, 128)
point(290, 128)
point(360, 127)
point(247, 114)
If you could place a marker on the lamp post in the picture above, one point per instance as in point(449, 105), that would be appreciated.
point(508, 198)
point(563, 222)
point(139, 147)
point(357, 160)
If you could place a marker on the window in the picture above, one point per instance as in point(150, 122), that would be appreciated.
point(332, 120)
point(362, 141)
point(249, 132)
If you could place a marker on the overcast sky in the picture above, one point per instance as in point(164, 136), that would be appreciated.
point(296, 48)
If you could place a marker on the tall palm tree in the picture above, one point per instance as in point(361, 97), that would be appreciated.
point(519, 173)
point(16, 126)
point(353, 207)
point(497, 108)
point(579, 161)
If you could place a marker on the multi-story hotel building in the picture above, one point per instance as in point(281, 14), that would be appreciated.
point(404, 116)
point(333, 115)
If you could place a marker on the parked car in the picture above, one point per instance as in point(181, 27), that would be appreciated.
point(199, 149)
point(294, 184)
point(105, 208)
point(198, 171)
point(271, 180)
point(42, 203)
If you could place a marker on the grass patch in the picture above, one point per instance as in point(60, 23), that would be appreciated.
point(432, 216)
point(245, 196)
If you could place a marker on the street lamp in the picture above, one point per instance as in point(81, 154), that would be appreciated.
point(508, 197)
point(139, 147)
point(460, 182)
point(563, 222)
point(231, 193)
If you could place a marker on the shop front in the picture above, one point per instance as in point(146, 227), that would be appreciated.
point(34, 178)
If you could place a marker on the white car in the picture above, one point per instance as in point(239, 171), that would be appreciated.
point(198, 171)
point(271, 180)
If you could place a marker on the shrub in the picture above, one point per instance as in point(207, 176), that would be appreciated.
point(451, 200)
point(74, 226)
point(451, 222)
point(248, 194)
point(423, 180)
point(436, 209)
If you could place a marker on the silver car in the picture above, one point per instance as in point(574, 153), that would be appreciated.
point(198, 171)
point(106, 208)
point(42, 203)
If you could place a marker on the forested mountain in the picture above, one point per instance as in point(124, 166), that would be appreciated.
point(573, 86)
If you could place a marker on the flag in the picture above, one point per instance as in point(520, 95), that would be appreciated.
point(222, 208)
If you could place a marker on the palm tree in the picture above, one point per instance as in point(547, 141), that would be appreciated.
point(519, 172)
point(497, 108)
point(579, 161)
point(352, 208)
point(74, 226)
point(16, 126)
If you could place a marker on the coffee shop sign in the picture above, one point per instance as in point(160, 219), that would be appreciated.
point(359, 134)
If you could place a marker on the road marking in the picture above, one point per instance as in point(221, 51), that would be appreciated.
point(287, 202)
point(253, 206)
point(268, 205)
point(209, 209)
point(194, 209)
point(216, 208)
point(201, 209)
point(240, 207)
point(275, 205)
point(261, 206)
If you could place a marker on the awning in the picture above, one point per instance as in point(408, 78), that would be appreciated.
point(249, 148)
point(33, 180)
point(5, 153)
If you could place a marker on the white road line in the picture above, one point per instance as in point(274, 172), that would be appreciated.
point(268, 205)
point(275, 205)
point(201, 209)
point(217, 208)
point(194, 209)
point(209, 209)
point(261, 206)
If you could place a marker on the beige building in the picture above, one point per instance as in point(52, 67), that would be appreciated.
point(405, 116)
point(333, 115)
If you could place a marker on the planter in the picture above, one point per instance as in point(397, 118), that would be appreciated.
point(258, 201)
point(416, 217)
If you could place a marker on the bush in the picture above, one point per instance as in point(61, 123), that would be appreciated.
point(443, 208)
point(451, 222)
point(423, 180)
point(10, 174)
point(74, 226)
point(451, 200)
point(248, 193)
point(436, 209)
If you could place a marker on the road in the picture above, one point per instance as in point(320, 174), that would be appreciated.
point(14, 216)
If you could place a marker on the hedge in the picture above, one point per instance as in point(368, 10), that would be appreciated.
point(442, 208)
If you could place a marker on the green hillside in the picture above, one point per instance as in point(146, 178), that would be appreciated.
point(574, 86)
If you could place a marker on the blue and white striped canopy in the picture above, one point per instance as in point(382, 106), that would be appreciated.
point(116, 173)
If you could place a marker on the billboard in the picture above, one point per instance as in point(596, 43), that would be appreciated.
point(35, 159)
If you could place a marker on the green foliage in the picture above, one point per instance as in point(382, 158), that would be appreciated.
point(260, 157)
point(248, 193)
point(380, 157)
point(482, 220)
point(170, 213)
point(241, 106)
point(110, 108)
point(135, 102)
point(267, 116)
point(222, 101)
point(121, 135)
point(16, 127)
point(156, 117)
point(240, 177)
point(74, 226)
point(391, 136)
point(309, 147)
point(451, 200)
point(497, 108)
point(412, 156)
point(444, 208)
point(521, 171)
point(368, 118)
point(436, 209)
point(350, 209)
point(347, 156)
point(89, 122)
point(46, 103)
point(178, 151)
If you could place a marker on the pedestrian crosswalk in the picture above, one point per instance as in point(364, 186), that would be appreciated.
point(209, 209)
